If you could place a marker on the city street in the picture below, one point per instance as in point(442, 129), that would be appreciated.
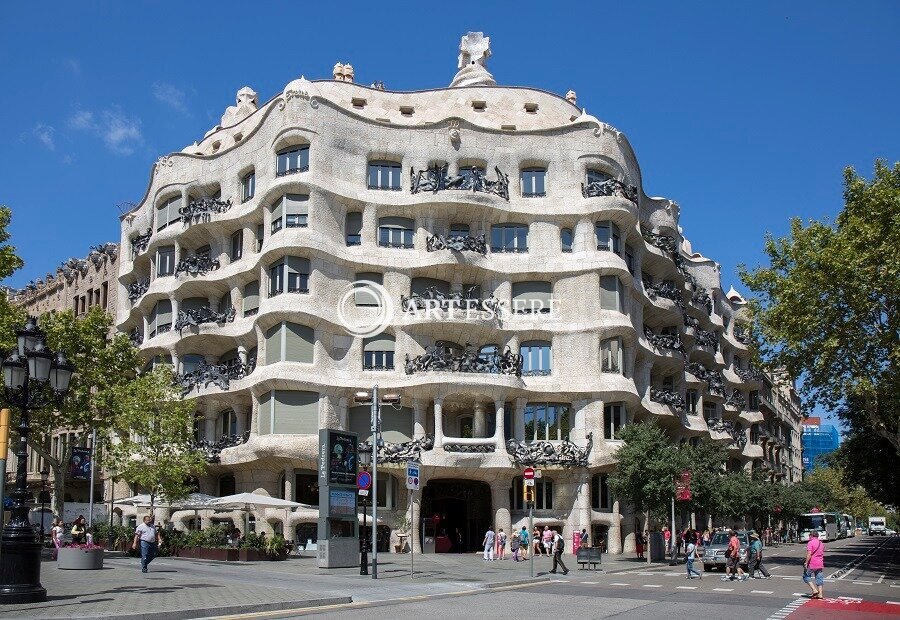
point(863, 580)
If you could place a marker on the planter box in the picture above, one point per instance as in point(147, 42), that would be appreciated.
point(79, 559)
point(203, 553)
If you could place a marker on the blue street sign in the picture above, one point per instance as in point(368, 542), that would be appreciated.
point(363, 480)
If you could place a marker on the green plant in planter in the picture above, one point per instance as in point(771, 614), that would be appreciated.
point(252, 541)
point(214, 537)
point(276, 546)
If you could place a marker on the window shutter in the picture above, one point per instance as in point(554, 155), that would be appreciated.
point(278, 210)
point(609, 293)
point(174, 206)
point(296, 204)
point(296, 412)
point(264, 420)
point(396, 222)
point(361, 421)
point(396, 425)
point(297, 264)
point(527, 295)
point(225, 302)
point(251, 296)
point(273, 344)
point(363, 297)
point(383, 342)
point(420, 284)
point(163, 312)
point(299, 343)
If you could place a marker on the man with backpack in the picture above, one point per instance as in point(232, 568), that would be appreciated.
point(755, 561)
point(558, 547)
point(691, 555)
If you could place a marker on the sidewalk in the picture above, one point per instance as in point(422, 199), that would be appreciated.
point(179, 589)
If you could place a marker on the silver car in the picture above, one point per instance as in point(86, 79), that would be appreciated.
point(714, 555)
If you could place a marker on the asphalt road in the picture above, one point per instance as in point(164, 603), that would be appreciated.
point(863, 580)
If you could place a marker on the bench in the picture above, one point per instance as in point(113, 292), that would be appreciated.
point(590, 556)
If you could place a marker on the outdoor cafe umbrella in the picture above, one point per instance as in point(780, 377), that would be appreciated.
point(193, 501)
point(250, 501)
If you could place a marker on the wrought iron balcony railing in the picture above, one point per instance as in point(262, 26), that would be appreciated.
point(701, 297)
point(664, 341)
point(198, 316)
point(197, 264)
point(736, 399)
point(139, 243)
point(667, 397)
point(137, 289)
point(284, 173)
point(219, 374)
point(690, 321)
point(708, 339)
point(441, 358)
point(749, 374)
point(740, 335)
point(212, 449)
point(202, 209)
point(436, 178)
point(714, 379)
point(549, 453)
point(664, 288)
point(433, 298)
point(666, 243)
point(610, 187)
point(136, 336)
point(738, 438)
point(400, 452)
point(457, 243)
point(471, 448)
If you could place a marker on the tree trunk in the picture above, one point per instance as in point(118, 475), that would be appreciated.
point(647, 529)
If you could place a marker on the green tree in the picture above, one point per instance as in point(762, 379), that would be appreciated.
point(11, 317)
point(153, 448)
point(706, 466)
point(647, 463)
point(103, 362)
point(828, 306)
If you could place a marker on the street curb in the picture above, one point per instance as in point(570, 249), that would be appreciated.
point(515, 582)
point(187, 614)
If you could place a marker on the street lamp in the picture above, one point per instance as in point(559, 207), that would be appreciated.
point(45, 476)
point(111, 473)
point(365, 459)
point(374, 399)
point(34, 377)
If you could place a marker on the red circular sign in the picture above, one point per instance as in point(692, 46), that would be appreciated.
point(528, 474)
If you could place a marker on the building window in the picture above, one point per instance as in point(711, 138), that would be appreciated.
point(165, 261)
point(248, 187)
point(611, 297)
point(468, 173)
point(533, 182)
point(536, 358)
point(290, 342)
point(168, 212)
point(459, 230)
point(260, 237)
point(597, 176)
point(363, 296)
point(378, 353)
point(629, 258)
point(753, 400)
point(251, 298)
point(608, 238)
point(510, 238)
point(161, 318)
point(565, 238)
point(614, 418)
point(547, 422)
point(226, 485)
point(754, 433)
point(611, 355)
point(291, 211)
point(543, 494)
point(601, 497)
point(395, 232)
point(190, 363)
point(532, 297)
point(292, 160)
point(291, 274)
point(384, 175)
point(237, 245)
point(710, 411)
point(691, 399)
point(353, 228)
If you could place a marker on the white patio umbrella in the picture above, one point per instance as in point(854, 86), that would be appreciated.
point(250, 501)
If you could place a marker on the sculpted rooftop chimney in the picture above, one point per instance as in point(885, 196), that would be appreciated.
point(474, 50)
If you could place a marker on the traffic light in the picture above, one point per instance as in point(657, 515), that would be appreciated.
point(527, 493)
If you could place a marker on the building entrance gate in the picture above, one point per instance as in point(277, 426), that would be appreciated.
point(461, 510)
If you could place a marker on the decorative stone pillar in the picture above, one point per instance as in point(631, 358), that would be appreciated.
point(241, 413)
point(583, 502)
point(627, 529)
point(438, 424)
point(414, 514)
point(289, 483)
point(479, 423)
point(419, 407)
point(499, 432)
point(614, 536)
point(500, 503)
point(210, 416)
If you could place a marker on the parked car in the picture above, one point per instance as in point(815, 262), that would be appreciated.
point(714, 556)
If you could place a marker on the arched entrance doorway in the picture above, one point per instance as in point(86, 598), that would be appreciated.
point(461, 510)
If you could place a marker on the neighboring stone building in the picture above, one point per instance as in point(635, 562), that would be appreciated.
point(78, 285)
point(241, 260)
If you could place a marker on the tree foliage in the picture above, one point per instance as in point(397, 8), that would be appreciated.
point(153, 444)
point(828, 306)
point(11, 317)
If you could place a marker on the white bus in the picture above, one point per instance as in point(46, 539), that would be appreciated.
point(826, 523)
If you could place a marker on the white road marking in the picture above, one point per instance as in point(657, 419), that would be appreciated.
point(895, 585)
point(793, 578)
point(590, 583)
point(723, 589)
point(849, 598)
point(620, 584)
point(650, 585)
point(797, 594)
point(686, 588)
point(863, 583)
point(893, 602)
point(761, 592)
point(771, 568)
point(880, 579)
point(787, 609)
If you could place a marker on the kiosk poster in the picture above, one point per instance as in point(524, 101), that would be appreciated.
point(80, 464)
point(341, 503)
point(342, 459)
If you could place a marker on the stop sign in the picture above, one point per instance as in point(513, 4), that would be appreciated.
point(528, 474)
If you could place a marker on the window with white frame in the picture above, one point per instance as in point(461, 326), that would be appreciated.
point(611, 294)
point(378, 352)
point(537, 358)
point(384, 175)
point(509, 238)
point(396, 232)
point(168, 212)
point(710, 411)
point(248, 186)
point(237, 245)
point(292, 160)
point(601, 495)
point(290, 274)
point(534, 182)
point(611, 355)
point(547, 421)
point(691, 400)
point(165, 261)
point(614, 418)
point(290, 211)
point(597, 176)
point(608, 237)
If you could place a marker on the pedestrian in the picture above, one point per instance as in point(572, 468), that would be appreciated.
point(149, 538)
point(56, 533)
point(559, 546)
point(755, 561)
point(523, 542)
point(583, 538)
point(690, 554)
point(537, 545)
point(514, 542)
point(79, 531)
point(501, 544)
point(676, 542)
point(814, 565)
point(547, 539)
point(667, 537)
point(733, 559)
point(706, 538)
point(640, 541)
point(488, 542)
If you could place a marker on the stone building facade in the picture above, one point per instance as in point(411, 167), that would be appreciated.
point(239, 263)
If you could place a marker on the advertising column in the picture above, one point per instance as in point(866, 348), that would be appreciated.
point(338, 544)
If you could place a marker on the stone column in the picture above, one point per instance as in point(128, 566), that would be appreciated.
point(438, 424)
point(519, 419)
point(499, 434)
point(414, 514)
point(210, 416)
point(289, 483)
point(583, 502)
point(614, 537)
point(479, 423)
point(627, 528)
point(241, 412)
point(500, 503)
point(419, 407)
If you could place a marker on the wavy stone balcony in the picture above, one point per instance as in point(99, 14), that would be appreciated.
point(440, 358)
point(714, 379)
point(221, 375)
point(198, 316)
point(667, 397)
point(457, 243)
point(610, 187)
point(197, 265)
point(436, 179)
point(203, 209)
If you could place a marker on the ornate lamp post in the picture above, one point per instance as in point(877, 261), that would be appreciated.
point(33, 377)
point(45, 476)
point(365, 459)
